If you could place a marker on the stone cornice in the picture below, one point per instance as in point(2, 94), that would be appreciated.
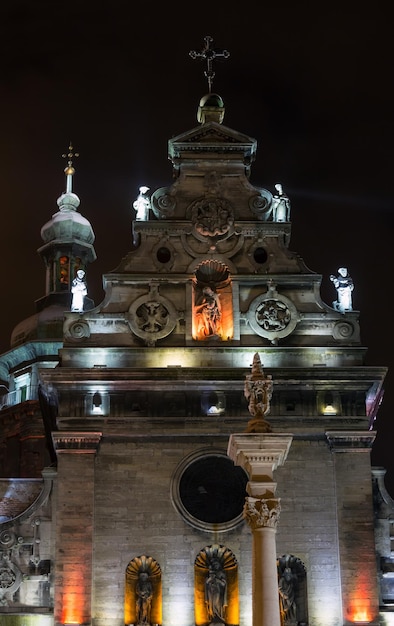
point(350, 440)
point(76, 442)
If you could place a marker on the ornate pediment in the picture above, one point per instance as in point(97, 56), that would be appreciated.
point(212, 137)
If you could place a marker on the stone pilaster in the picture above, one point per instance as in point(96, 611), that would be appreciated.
point(74, 525)
point(353, 483)
point(260, 455)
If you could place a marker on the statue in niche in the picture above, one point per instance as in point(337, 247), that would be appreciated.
point(142, 205)
point(343, 283)
point(287, 596)
point(144, 595)
point(79, 291)
point(216, 587)
point(143, 592)
point(209, 314)
point(216, 592)
point(280, 205)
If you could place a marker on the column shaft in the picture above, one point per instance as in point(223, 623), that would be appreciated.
point(265, 579)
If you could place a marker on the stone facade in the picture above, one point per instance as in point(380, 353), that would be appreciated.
point(146, 392)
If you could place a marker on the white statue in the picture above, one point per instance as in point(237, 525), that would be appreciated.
point(142, 205)
point(79, 291)
point(343, 283)
point(280, 205)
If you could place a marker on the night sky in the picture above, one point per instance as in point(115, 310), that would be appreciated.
point(312, 82)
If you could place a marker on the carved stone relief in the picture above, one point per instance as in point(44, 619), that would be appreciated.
point(152, 317)
point(272, 315)
point(216, 586)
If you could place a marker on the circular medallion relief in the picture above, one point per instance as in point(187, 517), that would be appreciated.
point(209, 491)
point(272, 317)
point(152, 317)
point(211, 216)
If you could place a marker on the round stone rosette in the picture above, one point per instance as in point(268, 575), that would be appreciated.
point(152, 317)
point(272, 317)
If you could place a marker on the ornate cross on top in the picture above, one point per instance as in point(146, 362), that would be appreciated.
point(69, 170)
point(209, 55)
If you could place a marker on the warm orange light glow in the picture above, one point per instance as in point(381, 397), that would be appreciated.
point(361, 618)
point(200, 605)
point(213, 316)
point(359, 611)
point(73, 600)
point(359, 599)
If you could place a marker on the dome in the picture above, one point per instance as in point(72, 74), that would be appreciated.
point(211, 109)
point(68, 223)
point(211, 100)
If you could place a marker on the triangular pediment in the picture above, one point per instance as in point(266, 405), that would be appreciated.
point(211, 135)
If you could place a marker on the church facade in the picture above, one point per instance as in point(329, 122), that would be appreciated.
point(194, 450)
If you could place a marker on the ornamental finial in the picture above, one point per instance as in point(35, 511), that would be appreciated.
point(69, 170)
point(258, 393)
point(208, 54)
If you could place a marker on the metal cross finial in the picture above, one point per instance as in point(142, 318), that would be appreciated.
point(209, 55)
point(70, 154)
point(69, 170)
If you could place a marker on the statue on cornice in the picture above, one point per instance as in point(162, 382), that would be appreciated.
point(142, 205)
point(280, 205)
point(343, 283)
point(79, 290)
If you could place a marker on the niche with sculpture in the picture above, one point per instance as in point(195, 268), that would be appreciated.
point(143, 592)
point(212, 310)
point(216, 599)
point(292, 591)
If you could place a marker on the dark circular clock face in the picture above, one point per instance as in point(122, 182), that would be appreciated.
point(213, 490)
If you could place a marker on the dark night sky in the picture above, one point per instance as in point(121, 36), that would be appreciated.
point(312, 82)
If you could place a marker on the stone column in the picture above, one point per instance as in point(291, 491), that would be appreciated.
point(259, 455)
point(76, 452)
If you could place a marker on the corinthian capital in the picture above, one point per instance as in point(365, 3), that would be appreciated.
point(262, 512)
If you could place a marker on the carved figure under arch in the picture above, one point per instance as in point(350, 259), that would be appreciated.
point(292, 590)
point(216, 587)
point(143, 592)
point(212, 316)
